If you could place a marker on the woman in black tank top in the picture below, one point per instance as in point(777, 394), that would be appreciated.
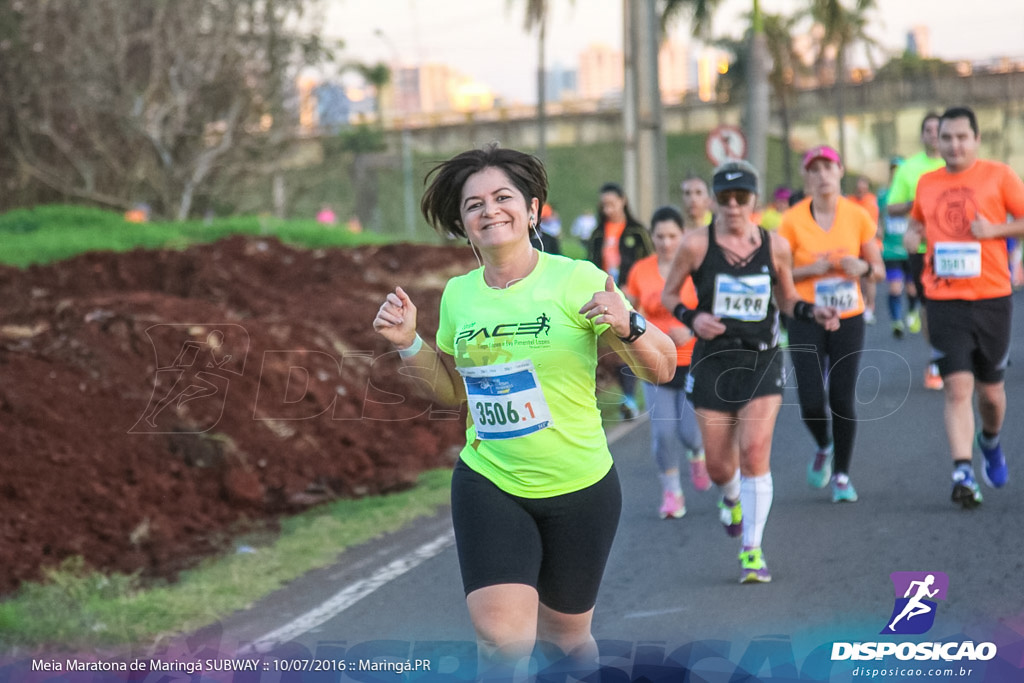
point(743, 277)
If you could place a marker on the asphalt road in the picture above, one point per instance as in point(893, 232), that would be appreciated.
point(671, 586)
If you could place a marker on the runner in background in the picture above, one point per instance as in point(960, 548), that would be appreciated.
point(866, 199)
point(771, 219)
point(901, 201)
point(619, 241)
point(963, 214)
point(834, 247)
point(897, 267)
point(742, 276)
point(696, 203)
point(674, 427)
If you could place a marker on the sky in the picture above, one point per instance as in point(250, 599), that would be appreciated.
point(485, 39)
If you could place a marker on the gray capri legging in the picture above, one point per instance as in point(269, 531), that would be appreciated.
point(673, 423)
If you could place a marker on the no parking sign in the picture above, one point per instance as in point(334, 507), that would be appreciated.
point(725, 142)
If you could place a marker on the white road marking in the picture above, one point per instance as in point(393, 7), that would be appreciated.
point(351, 594)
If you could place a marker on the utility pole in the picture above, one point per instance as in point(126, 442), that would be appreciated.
point(647, 182)
point(408, 197)
point(758, 101)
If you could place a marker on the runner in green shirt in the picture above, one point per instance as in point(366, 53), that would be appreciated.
point(535, 496)
point(900, 202)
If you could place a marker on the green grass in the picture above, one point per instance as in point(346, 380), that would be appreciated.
point(77, 607)
point(45, 234)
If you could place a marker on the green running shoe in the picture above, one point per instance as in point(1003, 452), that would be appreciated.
point(753, 567)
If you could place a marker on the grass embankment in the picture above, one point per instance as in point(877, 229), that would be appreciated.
point(45, 234)
point(78, 608)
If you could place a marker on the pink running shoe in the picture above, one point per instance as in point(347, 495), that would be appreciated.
point(672, 505)
point(699, 472)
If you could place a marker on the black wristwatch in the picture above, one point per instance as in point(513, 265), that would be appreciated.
point(637, 326)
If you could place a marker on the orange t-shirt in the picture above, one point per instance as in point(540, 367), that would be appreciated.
point(610, 257)
point(851, 229)
point(869, 202)
point(957, 266)
point(645, 284)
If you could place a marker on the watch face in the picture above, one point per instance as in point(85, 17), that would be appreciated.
point(641, 323)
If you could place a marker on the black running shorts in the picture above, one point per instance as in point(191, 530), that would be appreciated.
point(727, 380)
point(971, 336)
point(558, 545)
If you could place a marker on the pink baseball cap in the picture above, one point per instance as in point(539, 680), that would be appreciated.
point(821, 152)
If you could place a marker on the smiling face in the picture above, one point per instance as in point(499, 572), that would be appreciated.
point(958, 143)
point(494, 211)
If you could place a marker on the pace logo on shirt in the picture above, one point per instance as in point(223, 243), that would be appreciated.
point(471, 332)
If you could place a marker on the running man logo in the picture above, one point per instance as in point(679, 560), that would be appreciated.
point(205, 357)
point(914, 608)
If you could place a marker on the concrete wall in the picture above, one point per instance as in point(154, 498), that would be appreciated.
point(882, 119)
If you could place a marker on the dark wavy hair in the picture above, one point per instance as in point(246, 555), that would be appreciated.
point(667, 213)
point(441, 200)
point(616, 189)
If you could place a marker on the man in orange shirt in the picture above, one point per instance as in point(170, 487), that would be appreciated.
point(964, 212)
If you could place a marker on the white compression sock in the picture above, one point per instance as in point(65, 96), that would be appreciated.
point(731, 488)
point(756, 495)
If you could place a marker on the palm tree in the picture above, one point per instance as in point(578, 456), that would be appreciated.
point(378, 75)
point(757, 111)
point(844, 27)
point(537, 15)
point(786, 64)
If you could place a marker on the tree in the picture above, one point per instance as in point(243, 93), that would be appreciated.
point(378, 75)
point(912, 66)
point(843, 28)
point(113, 102)
point(757, 109)
point(786, 65)
point(536, 15)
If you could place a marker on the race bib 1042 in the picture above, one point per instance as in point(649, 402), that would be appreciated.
point(745, 297)
point(957, 259)
point(506, 400)
point(836, 292)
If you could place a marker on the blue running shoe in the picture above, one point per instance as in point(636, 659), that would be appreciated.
point(819, 469)
point(965, 489)
point(842, 489)
point(994, 472)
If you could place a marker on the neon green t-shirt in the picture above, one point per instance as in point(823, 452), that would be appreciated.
point(904, 185)
point(534, 396)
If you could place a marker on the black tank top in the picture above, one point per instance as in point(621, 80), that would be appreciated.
point(740, 293)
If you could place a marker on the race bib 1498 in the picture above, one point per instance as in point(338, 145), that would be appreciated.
point(742, 298)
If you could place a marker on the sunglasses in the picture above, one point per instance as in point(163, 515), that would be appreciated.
point(742, 197)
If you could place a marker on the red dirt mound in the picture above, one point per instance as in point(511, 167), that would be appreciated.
point(153, 401)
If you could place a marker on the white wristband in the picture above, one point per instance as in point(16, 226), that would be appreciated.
point(412, 349)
